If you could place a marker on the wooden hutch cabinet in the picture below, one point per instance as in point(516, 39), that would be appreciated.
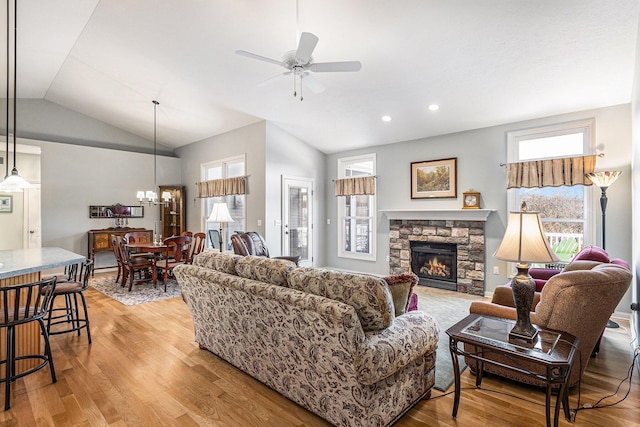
point(173, 215)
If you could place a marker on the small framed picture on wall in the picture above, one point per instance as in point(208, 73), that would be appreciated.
point(6, 204)
point(434, 179)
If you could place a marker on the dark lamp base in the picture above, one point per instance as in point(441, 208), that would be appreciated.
point(528, 336)
point(523, 288)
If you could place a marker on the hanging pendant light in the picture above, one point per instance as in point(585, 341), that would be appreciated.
point(151, 196)
point(12, 182)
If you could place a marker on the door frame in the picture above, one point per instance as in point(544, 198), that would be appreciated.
point(287, 180)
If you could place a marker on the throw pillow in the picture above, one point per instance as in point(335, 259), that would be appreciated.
point(401, 287)
point(592, 253)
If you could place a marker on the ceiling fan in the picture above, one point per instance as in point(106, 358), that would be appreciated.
point(300, 63)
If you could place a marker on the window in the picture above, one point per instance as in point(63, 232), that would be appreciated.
point(225, 168)
point(357, 214)
point(565, 211)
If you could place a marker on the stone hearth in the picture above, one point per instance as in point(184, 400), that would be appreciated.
point(468, 235)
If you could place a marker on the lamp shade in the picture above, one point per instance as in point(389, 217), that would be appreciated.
point(220, 213)
point(603, 178)
point(14, 183)
point(525, 241)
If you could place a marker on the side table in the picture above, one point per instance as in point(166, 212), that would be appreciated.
point(552, 351)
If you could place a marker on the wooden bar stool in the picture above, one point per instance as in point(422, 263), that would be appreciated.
point(70, 315)
point(19, 305)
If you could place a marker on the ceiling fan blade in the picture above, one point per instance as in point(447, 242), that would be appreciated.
point(258, 57)
point(327, 67)
point(274, 78)
point(306, 45)
point(312, 83)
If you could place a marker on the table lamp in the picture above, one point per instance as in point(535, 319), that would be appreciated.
point(220, 214)
point(524, 241)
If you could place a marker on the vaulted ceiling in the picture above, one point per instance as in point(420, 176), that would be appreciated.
point(485, 62)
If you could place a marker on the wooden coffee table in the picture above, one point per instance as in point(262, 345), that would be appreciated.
point(552, 351)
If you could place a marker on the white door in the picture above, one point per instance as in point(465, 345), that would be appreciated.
point(297, 219)
point(32, 217)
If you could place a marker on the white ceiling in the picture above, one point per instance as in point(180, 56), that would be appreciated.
point(485, 62)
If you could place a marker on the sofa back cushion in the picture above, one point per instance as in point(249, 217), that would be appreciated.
point(368, 295)
point(215, 260)
point(592, 253)
point(262, 269)
point(401, 287)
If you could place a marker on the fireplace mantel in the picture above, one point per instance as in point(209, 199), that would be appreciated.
point(439, 214)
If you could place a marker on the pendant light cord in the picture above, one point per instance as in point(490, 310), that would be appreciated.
point(7, 98)
point(155, 159)
point(15, 72)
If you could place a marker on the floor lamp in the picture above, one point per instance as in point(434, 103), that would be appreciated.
point(604, 179)
point(220, 214)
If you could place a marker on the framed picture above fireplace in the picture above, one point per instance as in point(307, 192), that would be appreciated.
point(431, 179)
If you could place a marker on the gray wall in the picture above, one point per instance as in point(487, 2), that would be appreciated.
point(288, 156)
point(479, 153)
point(74, 177)
point(270, 153)
point(42, 120)
point(249, 140)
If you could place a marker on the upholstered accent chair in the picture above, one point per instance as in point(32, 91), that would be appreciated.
point(252, 243)
point(579, 300)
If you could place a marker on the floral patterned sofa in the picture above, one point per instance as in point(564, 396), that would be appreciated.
point(327, 340)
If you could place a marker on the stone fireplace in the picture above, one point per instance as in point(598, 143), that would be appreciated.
point(463, 268)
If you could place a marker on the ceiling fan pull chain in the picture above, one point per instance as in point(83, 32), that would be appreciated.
point(301, 88)
point(294, 85)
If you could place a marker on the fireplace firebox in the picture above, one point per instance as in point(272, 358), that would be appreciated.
point(435, 264)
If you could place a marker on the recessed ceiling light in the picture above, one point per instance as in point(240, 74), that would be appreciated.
point(386, 118)
point(434, 107)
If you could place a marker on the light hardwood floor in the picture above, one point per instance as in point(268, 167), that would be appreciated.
point(144, 369)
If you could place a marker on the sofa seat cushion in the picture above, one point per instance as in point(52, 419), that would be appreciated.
point(368, 295)
point(386, 352)
point(262, 269)
point(215, 260)
point(401, 287)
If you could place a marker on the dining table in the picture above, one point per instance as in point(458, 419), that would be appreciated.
point(157, 249)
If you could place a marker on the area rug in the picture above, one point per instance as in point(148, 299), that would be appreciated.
point(140, 294)
point(448, 308)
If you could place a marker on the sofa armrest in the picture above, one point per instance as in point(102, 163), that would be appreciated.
point(385, 352)
point(495, 310)
point(503, 295)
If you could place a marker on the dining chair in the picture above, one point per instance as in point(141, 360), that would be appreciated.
point(137, 237)
point(177, 247)
point(142, 265)
point(115, 245)
point(19, 305)
point(71, 316)
point(197, 244)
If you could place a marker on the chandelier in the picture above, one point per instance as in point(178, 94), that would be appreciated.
point(151, 196)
